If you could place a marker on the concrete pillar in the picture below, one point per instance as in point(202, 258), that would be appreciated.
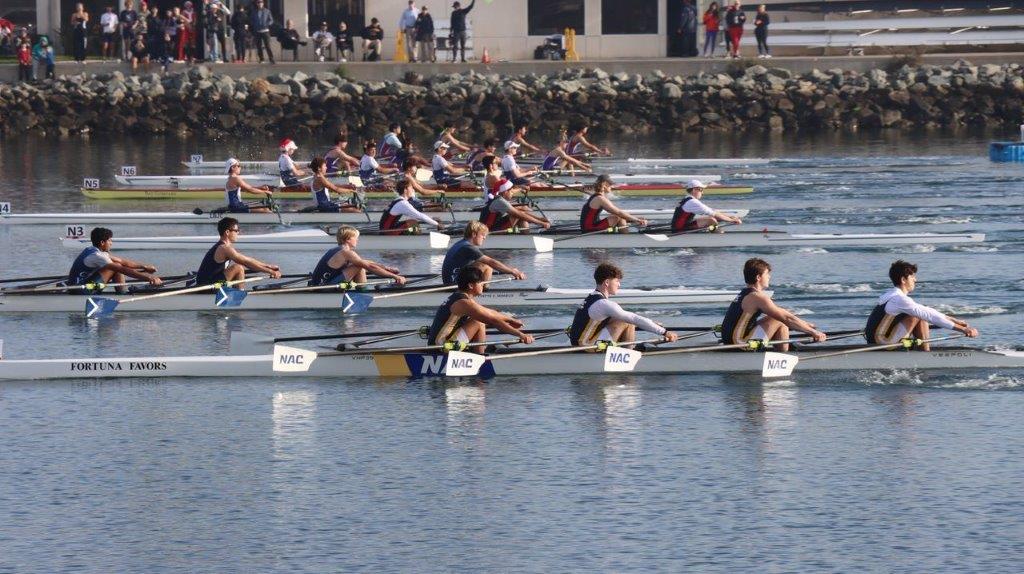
point(298, 12)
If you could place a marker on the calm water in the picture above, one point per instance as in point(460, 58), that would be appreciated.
point(871, 471)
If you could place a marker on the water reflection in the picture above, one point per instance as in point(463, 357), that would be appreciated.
point(294, 424)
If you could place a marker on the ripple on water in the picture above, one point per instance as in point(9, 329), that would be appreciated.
point(917, 248)
point(834, 287)
point(993, 382)
point(975, 248)
point(813, 250)
point(965, 309)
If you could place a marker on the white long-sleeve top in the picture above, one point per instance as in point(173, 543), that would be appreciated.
point(404, 208)
point(896, 302)
point(697, 207)
point(608, 309)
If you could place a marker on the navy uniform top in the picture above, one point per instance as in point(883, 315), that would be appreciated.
point(459, 255)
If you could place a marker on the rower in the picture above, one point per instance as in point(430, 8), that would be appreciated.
point(444, 171)
point(742, 322)
point(492, 174)
point(578, 144)
point(342, 263)
point(290, 173)
point(234, 187)
point(447, 135)
point(460, 319)
point(338, 159)
point(475, 157)
point(511, 170)
point(601, 319)
point(391, 148)
point(95, 264)
point(322, 187)
point(590, 215)
point(391, 222)
point(519, 137)
point(897, 316)
point(498, 214)
point(225, 263)
point(559, 158)
point(691, 213)
point(370, 170)
point(467, 252)
point(409, 169)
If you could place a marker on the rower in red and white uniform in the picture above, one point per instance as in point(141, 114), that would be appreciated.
point(461, 319)
point(444, 171)
point(342, 264)
point(95, 264)
point(338, 160)
point(447, 136)
point(559, 158)
point(511, 170)
point(897, 316)
point(236, 184)
point(578, 144)
point(290, 173)
point(598, 203)
point(692, 213)
point(322, 187)
point(753, 314)
point(519, 136)
point(498, 214)
point(370, 169)
point(601, 319)
point(400, 215)
point(225, 263)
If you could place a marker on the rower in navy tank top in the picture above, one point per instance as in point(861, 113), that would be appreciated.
point(223, 262)
point(95, 264)
point(461, 319)
point(236, 184)
point(559, 158)
point(341, 264)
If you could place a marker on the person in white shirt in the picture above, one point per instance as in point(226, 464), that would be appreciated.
point(400, 216)
point(897, 316)
point(108, 25)
point(692, 213)
point(444, 171)
point(290, 173)
point(370, 170)
point(407, 24)
point(511, 170)
point(323, 40)
point(601, 319)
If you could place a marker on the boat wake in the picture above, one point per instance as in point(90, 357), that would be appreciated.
point(834, 287)
point(917, 248)
point(993, 382)
point(813, 250)
point(975, 248)
point(937, 220)
point(960, 309)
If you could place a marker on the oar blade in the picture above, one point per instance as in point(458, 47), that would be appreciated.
point(778, 365)
point(656, 236)
point(463, 364)
point(620, 359)
point(439, 240)
point(352, 302)
point(99, 307)
point(292, 359)
point(229, 296)
point(355, 180)
point(543, 244)
point(423, 174)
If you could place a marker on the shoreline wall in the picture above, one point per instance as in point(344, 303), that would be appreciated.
point(748, 97)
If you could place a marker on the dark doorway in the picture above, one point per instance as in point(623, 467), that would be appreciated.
point(673, 15)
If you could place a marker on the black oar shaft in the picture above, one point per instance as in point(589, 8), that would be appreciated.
point(20, 279)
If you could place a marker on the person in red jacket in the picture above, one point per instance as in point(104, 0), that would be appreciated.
point(711, 22)
point(735, 18)
point(25, 63)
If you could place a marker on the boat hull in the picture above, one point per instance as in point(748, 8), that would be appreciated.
point(408, 365)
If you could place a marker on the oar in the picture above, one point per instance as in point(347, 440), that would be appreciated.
point(617, 357)
point(230, 297)
point(102, 306)
point(94, 286)
point(295, 360)
point(665, 237)
point(359, 302)
point(48, 279)
point(782, 364)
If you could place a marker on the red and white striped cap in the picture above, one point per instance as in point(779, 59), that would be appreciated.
point(500, 186)
point(287, 144)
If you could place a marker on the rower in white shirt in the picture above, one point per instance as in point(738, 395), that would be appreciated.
point(601, 319)
point(692, 213)
point(897, 316)
point(400, 215)
point(444, 171)
point(370, 170)
point(511, 170)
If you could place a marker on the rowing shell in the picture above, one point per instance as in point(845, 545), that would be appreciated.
point(269, 167)
point(285, 217)
point(271, 300)
point(192, 181)
point(405, 365)
point(318, 240)
point(625, 190)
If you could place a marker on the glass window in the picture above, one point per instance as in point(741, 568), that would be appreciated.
point(546, 17)
point(352, 12)
point(632, 17)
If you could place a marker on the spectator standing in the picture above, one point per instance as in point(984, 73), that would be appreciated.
point(240, 32)
point(761, 21)
point(155, 34)
point(43, 55)
point(425, 36)
point(290, 39)
point(108, 27)
point(139, 53)
point(216, 32)
point(262, 20)
point(343, 42)
point(407, 25)
point(128, 21)
point(688, 30)
point(186, 32)
point(711, 24)
point(170, 24)
point(458, 28)
point(735, 18)
point(79, 32)
point(24, 55)
point(323, 41)
point(373, 40)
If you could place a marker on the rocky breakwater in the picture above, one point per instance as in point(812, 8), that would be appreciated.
point(740, 98)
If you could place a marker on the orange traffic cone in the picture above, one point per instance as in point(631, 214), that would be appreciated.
point(486, 59)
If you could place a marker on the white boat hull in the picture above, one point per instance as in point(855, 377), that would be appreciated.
point(419, 365)
point(193, 181)
point(315, 239)
point(498, 298)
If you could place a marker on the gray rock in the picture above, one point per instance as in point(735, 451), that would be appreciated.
point(671, 91)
